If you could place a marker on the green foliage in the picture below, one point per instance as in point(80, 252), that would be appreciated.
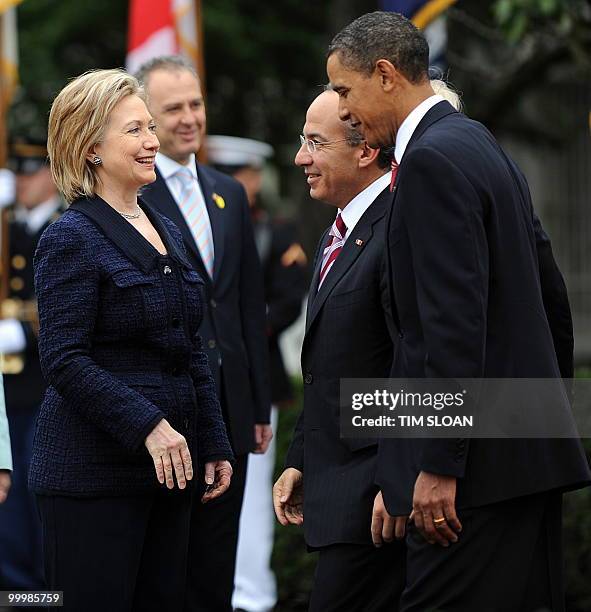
point(519, 17)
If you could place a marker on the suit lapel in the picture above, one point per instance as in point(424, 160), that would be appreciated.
point(216, 218)
point(313, 292)
point(435, 113)
point(358, 239)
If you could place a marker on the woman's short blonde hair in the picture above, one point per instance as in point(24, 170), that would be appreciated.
point(77, 121)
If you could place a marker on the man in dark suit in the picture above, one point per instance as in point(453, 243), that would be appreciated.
point(36, 205)
point(211, 211)
point(284, 271)
point(349, 333)
point(475, 287)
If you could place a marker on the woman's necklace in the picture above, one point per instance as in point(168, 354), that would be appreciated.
point(135, 215)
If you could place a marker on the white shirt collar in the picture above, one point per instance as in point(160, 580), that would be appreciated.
point(37, 217)
point(362, 201)
point(168, 167)
point(409, 125)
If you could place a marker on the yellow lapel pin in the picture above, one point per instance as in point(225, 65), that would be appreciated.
point(220, 202)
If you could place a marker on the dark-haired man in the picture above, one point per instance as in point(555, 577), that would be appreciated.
point(349, 333)
point(477, 295)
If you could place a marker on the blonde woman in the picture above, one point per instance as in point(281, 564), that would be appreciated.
point(131, 412)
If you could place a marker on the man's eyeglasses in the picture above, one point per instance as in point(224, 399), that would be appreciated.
point(312, 146)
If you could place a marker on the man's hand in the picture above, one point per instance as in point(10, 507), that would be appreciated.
point(169, 451)
point(384, 526)
point(288, 497)
point(434, 508)
point(263, 435)
point(5, 483)
point(218, 475)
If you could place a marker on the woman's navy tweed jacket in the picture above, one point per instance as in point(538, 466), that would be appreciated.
point(119, 350)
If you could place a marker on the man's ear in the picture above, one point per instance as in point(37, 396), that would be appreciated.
point(368, 156)
point(387, 74)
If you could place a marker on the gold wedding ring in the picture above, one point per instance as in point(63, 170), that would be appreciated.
point(439, 520)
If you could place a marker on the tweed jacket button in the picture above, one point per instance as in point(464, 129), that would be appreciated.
point(308, 378)
point(176, 322)
point(211, 344)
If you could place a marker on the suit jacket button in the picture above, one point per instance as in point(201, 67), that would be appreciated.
point(167, 270)
point(176, 322)
point(308, 378)
point(213, 303)
point(400, 334)
point(211, 343)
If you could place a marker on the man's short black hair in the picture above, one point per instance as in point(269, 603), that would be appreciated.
point(383, 35)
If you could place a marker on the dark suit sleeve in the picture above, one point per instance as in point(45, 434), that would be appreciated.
point(252, 309)
point(285, 285)
point(295, 452)
point(556, 304)
point(67, 288)
point(444, 219)
point(211, 430)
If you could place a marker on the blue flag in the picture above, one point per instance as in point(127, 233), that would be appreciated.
point(428, 16)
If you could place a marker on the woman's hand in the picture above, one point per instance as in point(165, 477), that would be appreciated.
point(218, 475)
point(169, 449)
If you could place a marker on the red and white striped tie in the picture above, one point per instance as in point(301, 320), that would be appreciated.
point(394, 167)
point(336, 241)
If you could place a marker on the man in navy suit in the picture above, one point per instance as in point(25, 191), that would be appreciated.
point(476, 294)
point(349, 333)
point(211, 210)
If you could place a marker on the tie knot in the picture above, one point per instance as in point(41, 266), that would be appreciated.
point(185, 176)
point(340, 226)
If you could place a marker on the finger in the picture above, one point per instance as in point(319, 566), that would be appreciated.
point(286, 491)
point(279, 506)
point(446, 532)
point(294, 514)
point(400, 527)
point(209, 473)
point(449, 508)
point(179, 468)
point(167, 463)
point(159, 468)
point(376, 529)
point(434, 534)
point(388, 528)
point(187, 462)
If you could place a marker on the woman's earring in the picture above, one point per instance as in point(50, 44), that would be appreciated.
point(97, 161)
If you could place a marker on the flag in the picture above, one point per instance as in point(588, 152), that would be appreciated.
point(164, 27)
point(8, 52)
point(429, 16)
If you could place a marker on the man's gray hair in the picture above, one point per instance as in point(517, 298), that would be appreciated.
point(170, 63)
point(383, 35)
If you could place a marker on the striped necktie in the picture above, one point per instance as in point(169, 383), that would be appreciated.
point(195, 213)
point(336, 241)
point(394, 174)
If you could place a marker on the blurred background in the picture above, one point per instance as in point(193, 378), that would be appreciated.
point(522, 67)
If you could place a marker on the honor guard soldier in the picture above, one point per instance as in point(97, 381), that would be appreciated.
point(284, 269)
point(36, 205)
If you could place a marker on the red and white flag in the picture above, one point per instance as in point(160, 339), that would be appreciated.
point(163, 27)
